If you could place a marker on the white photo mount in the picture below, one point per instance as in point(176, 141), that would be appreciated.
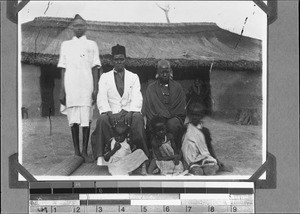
point(269, 166)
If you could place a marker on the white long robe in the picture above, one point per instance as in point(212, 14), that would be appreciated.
point(78, 56)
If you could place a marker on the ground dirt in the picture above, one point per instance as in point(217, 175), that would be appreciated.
point(45, 145)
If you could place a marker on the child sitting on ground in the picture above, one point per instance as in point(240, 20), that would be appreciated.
point(166, 157)
point(197, 149)
point(121, 154)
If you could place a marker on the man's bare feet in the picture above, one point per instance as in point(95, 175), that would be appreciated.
point(86, 158)
point(77, 154)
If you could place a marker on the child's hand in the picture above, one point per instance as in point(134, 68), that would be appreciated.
point(117, 146)
point(133, 147)
point(176, 160)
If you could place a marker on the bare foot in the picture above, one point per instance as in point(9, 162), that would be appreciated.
point(77, 154)
point(156, 171)
point(86, 158)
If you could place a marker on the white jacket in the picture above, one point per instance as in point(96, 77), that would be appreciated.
point(109, 99)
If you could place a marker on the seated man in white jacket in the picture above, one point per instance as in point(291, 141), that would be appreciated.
point(119, 96)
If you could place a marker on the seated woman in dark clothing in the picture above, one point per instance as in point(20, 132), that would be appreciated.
point(166, 98)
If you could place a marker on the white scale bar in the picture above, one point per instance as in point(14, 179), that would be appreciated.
point(204, 196)
point(54, 202)
point(217, 184)
point(125, 196)
point(155, 202)
point(155, 196)
point(119, 196)
point(150, 196)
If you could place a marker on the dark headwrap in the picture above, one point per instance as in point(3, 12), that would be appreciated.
point(118, 49)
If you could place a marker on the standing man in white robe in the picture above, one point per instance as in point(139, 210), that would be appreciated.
point(119, 97)
point(79, 62)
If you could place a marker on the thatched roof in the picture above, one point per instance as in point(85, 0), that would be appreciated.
point(184, 44)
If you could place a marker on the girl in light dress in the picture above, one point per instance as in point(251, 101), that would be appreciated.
point(121, 154)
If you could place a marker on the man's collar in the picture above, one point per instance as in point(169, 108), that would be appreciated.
point(81, 38)
point(116, 72)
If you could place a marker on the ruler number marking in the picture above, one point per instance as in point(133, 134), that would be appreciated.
point(188, 208)
point(167, 209)
point(144, 209)
point(234, 209)
point(76, 210)
point(42, 209)
point(76, 184)
point(122, 209)
point(54, 209)
point(99, 209)
point(212, 209)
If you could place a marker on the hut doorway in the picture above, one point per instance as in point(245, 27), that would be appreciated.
point(196, 84)
point(49, 90)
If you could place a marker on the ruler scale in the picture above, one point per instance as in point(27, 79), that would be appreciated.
point(193, 197)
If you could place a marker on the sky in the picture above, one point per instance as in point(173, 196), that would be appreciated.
point(230, 15)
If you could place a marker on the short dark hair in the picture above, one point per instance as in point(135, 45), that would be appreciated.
point(197, 105)
point(121, 124)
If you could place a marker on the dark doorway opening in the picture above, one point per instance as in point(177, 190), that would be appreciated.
point(47, 84)
point(199, 89)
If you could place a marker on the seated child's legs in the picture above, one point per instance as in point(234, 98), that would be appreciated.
point(210, 169)
point(141, 170)
point(152, 167)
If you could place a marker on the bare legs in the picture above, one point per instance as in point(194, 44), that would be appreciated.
point(85, 141)
point(75, 137)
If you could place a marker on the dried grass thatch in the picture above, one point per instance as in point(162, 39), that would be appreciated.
point(184, 44)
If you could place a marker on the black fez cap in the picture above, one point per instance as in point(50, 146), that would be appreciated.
point(118, 49)
point(77, 16)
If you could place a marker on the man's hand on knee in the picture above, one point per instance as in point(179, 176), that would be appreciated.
point(112, 119)
point(128, 118)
